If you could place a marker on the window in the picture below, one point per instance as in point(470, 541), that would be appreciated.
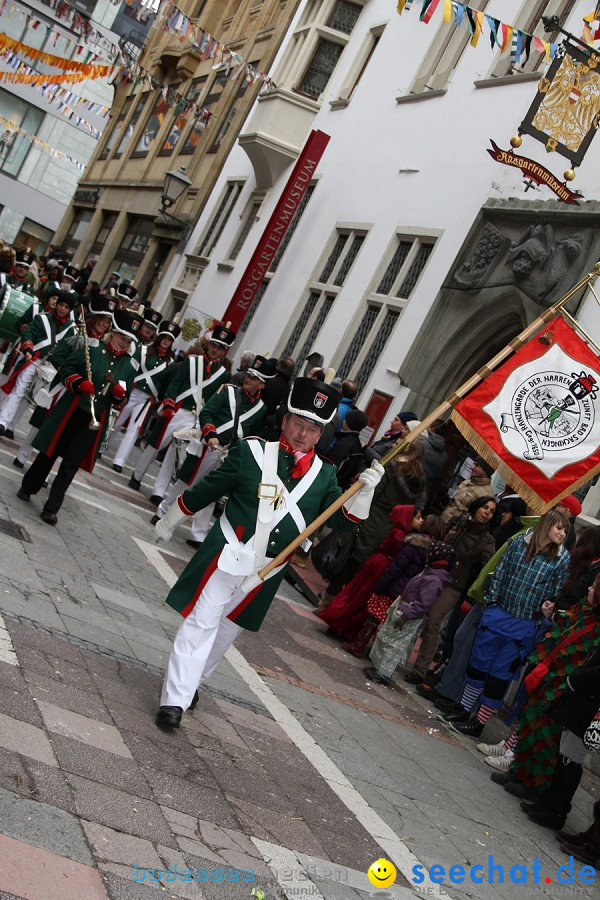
point(393, 286)
point(277, 258)
point(231, 112)
point(360, 64)
point(14, 147)
point(529, 20)
point(249, 217)
point(78, 228)
point(322, 292)
point(136, 240)
point(316, 46)
point(109, 221)
point(220, 218)
point(208, 104)
point(130, 127)
point(442, 56)
point(160, 110)
point(117, 132)
point(199, 121)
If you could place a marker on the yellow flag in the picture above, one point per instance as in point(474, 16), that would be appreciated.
point(447, 10)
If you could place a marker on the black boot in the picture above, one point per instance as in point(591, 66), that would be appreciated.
point(565, 782)
point(576, 839)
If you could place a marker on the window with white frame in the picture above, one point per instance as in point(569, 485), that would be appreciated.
point(248, 217)
point(220, 217)
point(328, 280)
point(316, 45)
point(442, 56)
point(529, 20)
point(392, 289)
point(361, 62)
point(278, 255)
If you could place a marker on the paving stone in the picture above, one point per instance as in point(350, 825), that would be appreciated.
point(11, 678)
point(120, 853)
point(66, 696)
point(99, 765)
point(82, 728)
point(122, 889)
point(37, 874)
point(272, 826)
point(44, 826)
point(20, 705)
point(129, 601)
point(190, 797)
point(120, 810)
point(36, 780)
point(109, 640)
point(26, 739)
point(25, 635)
point(152, 656)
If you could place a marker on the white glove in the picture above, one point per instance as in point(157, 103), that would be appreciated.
point(359, 505)
point(164, 528)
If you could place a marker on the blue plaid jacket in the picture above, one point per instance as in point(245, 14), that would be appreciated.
point(520, 586)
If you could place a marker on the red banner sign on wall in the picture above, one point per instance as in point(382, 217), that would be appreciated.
point(278, 224)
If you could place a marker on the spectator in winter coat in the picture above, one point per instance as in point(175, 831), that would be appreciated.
point(396, 431)
point(349, 392)
point(347, 452)
point(435, 458)
point(478, 485)
point(584, 566)
point(394, 643)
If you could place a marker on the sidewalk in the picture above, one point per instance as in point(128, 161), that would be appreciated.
point(293, 774)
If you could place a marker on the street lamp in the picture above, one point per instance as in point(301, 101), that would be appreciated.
point(176, 184)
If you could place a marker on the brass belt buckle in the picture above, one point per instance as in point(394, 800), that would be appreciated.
point(266, 491)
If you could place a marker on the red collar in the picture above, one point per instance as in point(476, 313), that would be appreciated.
point(251, 397)
point(302, 461)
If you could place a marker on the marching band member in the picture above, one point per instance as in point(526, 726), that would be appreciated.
point(275, 489)
point(230, 414)
point(93, 385)
point(197, 379)
point(154, 362)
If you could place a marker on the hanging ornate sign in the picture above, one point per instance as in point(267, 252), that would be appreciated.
point(539, 415)
point(535, 172)
point(565, 113)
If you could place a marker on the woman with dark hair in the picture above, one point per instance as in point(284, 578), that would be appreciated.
point(473, 544)
point(583, 568)
point(510, 512)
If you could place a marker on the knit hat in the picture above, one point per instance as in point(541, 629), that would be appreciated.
point(356, 420)
point(571, 503)
point(407, 416)
point(480, 461)
point(441, 556)
point(412, 424)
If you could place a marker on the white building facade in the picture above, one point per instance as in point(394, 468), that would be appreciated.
point(414, 257)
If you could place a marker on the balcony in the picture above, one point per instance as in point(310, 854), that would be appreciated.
point(276, 133)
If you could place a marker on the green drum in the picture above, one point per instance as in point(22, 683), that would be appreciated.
point(13, 304)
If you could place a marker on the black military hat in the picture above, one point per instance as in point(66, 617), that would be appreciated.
point(262, 368)
point(169, 329)
point(127, 291)
point(313, 400)
point(71, 272)
point(102, 305)
point(24, 258)
point(70, 297)
point(152, 317)
point(222, 335)
point(127, 323)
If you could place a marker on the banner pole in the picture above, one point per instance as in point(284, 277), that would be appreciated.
point(444, 407)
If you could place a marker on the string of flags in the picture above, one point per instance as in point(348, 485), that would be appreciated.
point(501, 35)
point(43, 145)
point(89, 70)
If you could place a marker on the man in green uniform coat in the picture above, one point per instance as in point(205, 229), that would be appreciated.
point(67, 431)
point(230, 414)
point(196, 380)
point(275, 490)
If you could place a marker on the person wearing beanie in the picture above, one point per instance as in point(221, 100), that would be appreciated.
point(398, 429)
point(347, 452)
point(478, 485)
point(76, 426)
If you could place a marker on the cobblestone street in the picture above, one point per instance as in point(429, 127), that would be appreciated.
point(292, 775)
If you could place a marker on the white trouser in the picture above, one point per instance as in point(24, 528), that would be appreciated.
point(209, 462)
point(9, 413)
point(26, 448)
point(201, 522)
point(133, 411)
point(183, 418)
point(202, 640)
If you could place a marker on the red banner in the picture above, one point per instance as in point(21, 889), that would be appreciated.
point(537, 418)
point(536, 173)
point(278, 224)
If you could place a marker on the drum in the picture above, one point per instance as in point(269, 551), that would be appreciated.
point(13, 304)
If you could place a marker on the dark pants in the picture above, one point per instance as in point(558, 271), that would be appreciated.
point(73, 444)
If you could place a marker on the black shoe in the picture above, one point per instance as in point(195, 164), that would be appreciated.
point(470, 729)
point(155, 500)
point(2, 430)
point(49, 517)
point(446, 705)
point(545, 817)
point(9, 433)
point(373, 675)
point(193, 543)
point(118, 469)
point(18, 464)
point(194, 702)
point(23, 495)
point(502, 778)
point(134, 483)
point(523, 793)
point(413, 678)
point(169, 717)
point(459, 716)
point(154, 520)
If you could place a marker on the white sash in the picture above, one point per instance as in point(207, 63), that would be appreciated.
point(148, 375)
point(244, 416)
point(290, 500)
point(192, 390)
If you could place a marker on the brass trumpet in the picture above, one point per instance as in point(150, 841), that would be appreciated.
point(94, 423)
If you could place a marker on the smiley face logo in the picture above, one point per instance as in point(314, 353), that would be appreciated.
point(381, 873)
